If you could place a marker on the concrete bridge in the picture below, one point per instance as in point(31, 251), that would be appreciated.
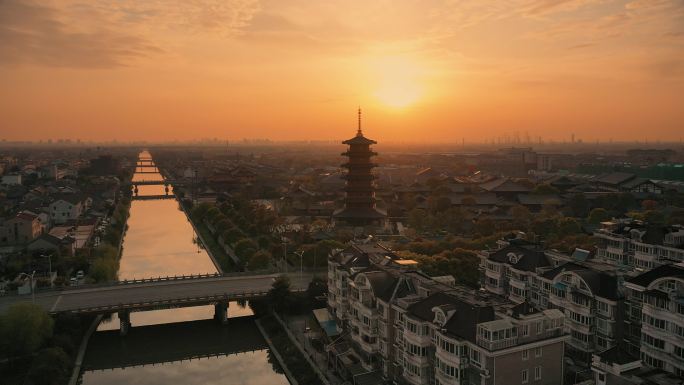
point(125, 297)
point(157, 182)
point(152, 197)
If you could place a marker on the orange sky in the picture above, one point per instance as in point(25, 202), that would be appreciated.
point(423, 70)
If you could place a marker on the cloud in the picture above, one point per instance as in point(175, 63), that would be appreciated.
point(33, 33)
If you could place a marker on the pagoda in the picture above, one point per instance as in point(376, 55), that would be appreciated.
point(359, 204)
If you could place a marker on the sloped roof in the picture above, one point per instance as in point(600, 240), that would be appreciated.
point(463, 323)
point(538, 199)
point(615, 178)
point(526, 259)
point(504, 185)
point(646, 278)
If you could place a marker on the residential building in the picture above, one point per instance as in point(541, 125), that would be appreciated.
point(20, 229)
point(401, 325)
point(655, 318)
point(68, 207)
point(11, 179)
point(586, 291)
point(635, 244)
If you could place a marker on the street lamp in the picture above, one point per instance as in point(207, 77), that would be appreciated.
point(33, 292)
point(301, 263)
point(49, 257)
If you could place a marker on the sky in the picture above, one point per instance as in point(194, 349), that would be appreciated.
point(421, 70)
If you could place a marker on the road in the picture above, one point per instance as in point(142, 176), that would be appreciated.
point(138, 293)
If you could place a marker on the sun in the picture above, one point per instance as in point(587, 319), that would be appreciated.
point(397, 81)
point(398, 93)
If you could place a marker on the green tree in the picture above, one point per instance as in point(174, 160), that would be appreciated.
point(417, 219)
point(579, 206)
point(568, 226)
point(52, 366)
point(245, 248)
point(280, 297)
point(598, 215)
point(485, 226)
point(104, 270)
point(545, 189)
point(23, 329)
point(521, 216)
point(259, 260)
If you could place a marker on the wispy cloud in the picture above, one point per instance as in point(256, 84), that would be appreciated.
point(33, 33)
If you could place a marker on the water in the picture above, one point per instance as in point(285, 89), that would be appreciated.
point(160, 241)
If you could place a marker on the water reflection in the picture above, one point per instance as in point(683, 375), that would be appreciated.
point(161, 242)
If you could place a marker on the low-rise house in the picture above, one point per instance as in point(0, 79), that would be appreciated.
point(11, 179)
point(68, 207)
point(20, 229)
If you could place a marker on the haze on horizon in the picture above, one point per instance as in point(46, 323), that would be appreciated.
point(422, 70)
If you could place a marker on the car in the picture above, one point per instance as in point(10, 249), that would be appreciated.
point(80, 275)
point(73, 282)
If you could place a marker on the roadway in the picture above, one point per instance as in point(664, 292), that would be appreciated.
point(143, 296)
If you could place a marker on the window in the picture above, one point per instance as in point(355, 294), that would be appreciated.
point(525, 355)
point(525, 376)
point(538, 352)
point(540, 327)
point(537, 373)
point(413, 328)
point(525, 330)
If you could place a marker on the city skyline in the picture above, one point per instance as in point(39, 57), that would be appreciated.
point(288, 71)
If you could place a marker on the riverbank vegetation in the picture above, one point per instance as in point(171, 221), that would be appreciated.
point(247, 229)
point(36, 349)
point(106, 256)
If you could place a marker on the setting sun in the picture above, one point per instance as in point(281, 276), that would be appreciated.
point(398, 81)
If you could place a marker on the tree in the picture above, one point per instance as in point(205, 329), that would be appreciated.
point(521, 216)
point(245, 248)
point(545, 189)
point(259, 260)
point(654, 217)
point(52, 366)
point(579, 206)
point(568, 226)
point(649, 204)
point(23, 329)
point(485, 226)
point(417, 219)
point(598, 215)
point(104, 270)
point(280, 297)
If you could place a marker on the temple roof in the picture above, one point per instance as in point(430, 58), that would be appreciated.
point(359, 139)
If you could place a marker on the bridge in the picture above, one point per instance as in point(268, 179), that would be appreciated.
point(191, 340)
point(125, 297)
point(157, 182)
point(152, 197)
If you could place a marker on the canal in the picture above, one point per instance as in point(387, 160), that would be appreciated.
point(183, 345)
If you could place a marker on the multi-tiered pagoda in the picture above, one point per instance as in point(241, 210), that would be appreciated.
point(359, 205)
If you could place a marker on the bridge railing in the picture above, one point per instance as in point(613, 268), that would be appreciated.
point(173, 302)
point(170, 278)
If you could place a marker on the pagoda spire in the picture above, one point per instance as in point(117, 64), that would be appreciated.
point(358, 132)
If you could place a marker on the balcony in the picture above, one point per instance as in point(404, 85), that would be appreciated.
point(497, 345)
point(444, 379)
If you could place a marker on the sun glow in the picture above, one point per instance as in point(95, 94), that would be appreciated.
point(397, 80)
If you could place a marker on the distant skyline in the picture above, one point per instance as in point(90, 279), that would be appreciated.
point(428, 71)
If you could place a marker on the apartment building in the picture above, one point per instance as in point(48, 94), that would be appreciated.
point(586, 290)
point(404, 327)
point(638, 245)
point(655, 318)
